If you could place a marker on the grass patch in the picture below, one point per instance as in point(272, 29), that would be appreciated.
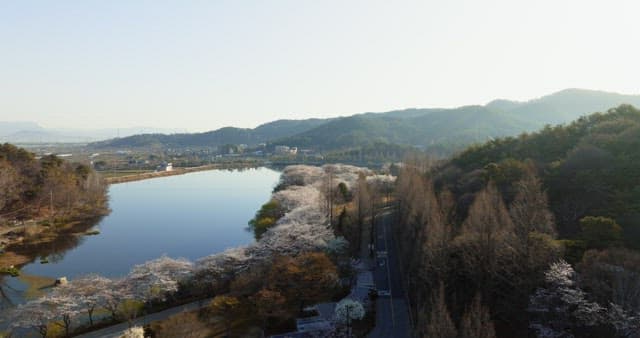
point(12, 271)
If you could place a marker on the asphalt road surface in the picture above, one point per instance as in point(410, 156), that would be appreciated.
point(392, 316)
point(118, 329)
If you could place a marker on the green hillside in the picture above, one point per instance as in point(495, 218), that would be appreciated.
point(590, 167)
point(451, 128)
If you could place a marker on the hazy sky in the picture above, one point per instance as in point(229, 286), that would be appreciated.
point(200, 65)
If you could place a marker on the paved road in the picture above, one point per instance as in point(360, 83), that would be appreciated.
point(392, 315)
point(118, 329)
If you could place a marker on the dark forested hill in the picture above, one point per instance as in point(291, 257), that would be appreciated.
point(590, 167)
point(449, 130)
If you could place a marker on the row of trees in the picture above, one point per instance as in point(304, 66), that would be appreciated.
point(122, 298)
point(489, 262)
point(352, 198)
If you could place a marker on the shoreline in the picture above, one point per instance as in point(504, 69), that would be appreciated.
point(179, 171)
point(19, 241)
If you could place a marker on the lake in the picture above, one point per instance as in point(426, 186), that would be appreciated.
point(190, 216)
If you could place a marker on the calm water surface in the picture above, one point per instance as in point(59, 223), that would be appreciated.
point(189, 216)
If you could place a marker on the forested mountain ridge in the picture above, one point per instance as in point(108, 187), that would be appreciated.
point(449, 130)
point(227, 135)
point(493, 234)
point(454, 129)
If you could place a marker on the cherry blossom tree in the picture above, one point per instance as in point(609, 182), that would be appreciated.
point(133, 332)
point(348, 310)
point(155, 278)
point(65, 308)
point(36, 314)
point(216, 271)
point(562, 306)
point(299, 175)
point(88, 291)
point(113, 295)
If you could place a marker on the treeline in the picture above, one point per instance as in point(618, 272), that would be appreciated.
point(46, 187)
point(485, 235)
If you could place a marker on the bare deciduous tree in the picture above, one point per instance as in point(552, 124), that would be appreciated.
point(439, 324)
point(476, 321)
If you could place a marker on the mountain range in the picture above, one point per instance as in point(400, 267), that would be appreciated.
point(31, 132)
point(444, 128)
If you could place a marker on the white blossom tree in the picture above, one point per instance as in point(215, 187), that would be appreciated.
point(59, 309)
point(88, 291)
point(133, 332)
point(214, 271)
point(563, 307)
point(155, 278)
point(36, 315)
point(299, 175)
point(348, 310)
point(114, 295)
point(65, 308)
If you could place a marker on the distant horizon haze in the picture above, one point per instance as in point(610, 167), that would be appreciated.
point(199, 66)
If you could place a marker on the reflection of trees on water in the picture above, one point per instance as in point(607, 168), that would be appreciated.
point(5, 294)
point(51, 247)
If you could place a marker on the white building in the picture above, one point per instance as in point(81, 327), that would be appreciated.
point(165, 167)
point(282, 150)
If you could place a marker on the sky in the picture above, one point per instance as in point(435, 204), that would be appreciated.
point(201, 65)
